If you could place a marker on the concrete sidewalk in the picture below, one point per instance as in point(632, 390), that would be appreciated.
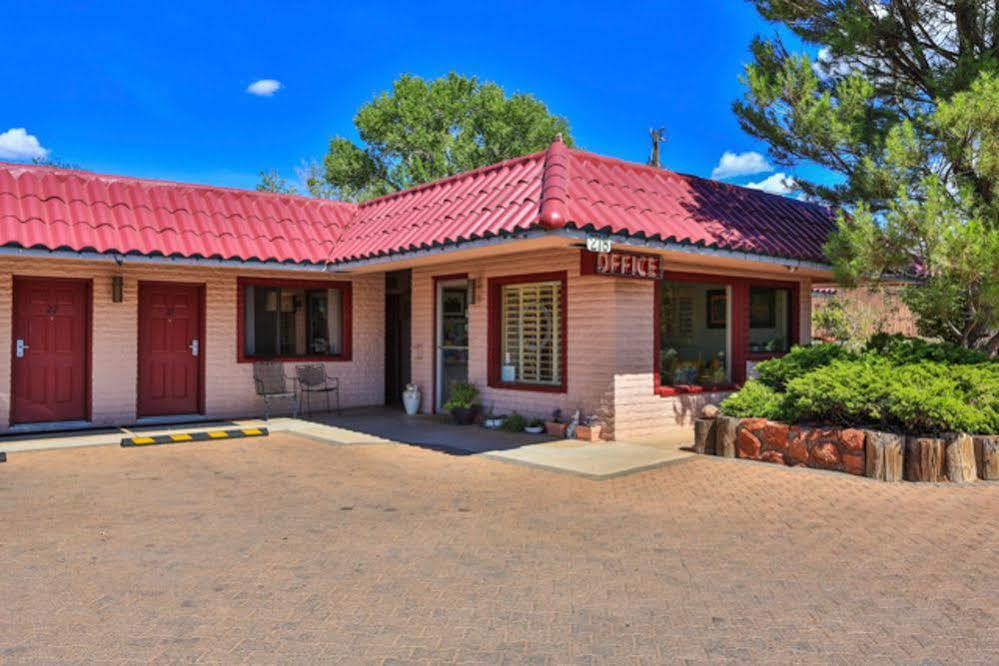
point(597, 460)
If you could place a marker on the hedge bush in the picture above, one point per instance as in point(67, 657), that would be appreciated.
point(897, 384)
point(776, 373)
point(755, 399)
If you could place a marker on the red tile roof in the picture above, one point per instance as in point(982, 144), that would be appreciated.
point(491, 201)
point(60, 209)
point(566, 188)
point(43, 207)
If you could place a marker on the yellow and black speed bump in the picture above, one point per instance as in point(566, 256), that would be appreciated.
point(207, 436)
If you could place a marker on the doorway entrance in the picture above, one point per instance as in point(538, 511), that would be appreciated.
point(51, 356)
point(398, 321)
point(451, 337)
point(170, 348)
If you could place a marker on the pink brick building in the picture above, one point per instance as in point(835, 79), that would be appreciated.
point(561, 280)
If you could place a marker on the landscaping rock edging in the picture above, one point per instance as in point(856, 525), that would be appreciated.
point(878, 455)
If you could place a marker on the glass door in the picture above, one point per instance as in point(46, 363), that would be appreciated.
point(452, 337)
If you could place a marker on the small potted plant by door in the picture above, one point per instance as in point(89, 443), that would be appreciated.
point(554, 426)
point(535, 426)
point(462, 403)
point(514, 423)
point(589, 430)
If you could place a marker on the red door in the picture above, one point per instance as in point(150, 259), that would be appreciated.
point(51, 343)
point(170, 349)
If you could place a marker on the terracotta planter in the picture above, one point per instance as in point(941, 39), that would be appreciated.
point(588, 433)
point(555, 429)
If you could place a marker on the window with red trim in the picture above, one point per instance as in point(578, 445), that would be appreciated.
point(694, 334)
point(769, 320)
point(760, 322)
point(291, 320)
point(527, 345)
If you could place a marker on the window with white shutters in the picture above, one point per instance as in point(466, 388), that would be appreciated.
point(531, 344)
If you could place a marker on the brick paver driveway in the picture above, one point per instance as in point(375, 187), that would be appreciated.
point(292, 550)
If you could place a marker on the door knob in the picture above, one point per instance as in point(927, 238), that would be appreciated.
point(20, 347)
point(194, 346)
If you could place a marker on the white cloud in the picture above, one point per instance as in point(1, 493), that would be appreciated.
point(740, 164)
point(17, 144)
point(779, 183)
point(264, 87)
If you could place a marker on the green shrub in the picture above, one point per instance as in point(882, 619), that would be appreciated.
point(924, 397)
point(902, 350)
point(902, 389)
point(845, 392)
point(755, 399)
point(463, 396)
point(777, 372)
point(514, 423)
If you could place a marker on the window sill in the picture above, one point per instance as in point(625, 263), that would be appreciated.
point(686, 389)
point(537, 388)
point(292, 359)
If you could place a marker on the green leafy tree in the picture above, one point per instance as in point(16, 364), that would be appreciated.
point(58, 164)
point(271, 181)
point(425, 130)
point(903, 103)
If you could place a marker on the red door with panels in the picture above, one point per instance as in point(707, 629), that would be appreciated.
point(170, 348)
point(51, 349)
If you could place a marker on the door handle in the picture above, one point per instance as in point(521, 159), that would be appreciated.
point(20, 347)
point(194, 347)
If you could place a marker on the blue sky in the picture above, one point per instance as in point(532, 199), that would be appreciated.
point(160, 89)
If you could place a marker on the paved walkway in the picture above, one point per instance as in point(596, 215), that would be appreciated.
point(287, 549)
point(377, 425)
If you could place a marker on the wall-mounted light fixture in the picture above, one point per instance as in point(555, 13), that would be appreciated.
point(117, 289)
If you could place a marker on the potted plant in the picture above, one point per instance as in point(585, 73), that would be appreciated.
point(492, 420)
point(555, 427)
point(589, 431)
point(462, 403)
point(535, 426)
point(514, 423)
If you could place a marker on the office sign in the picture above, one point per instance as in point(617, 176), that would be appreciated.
point(622, 264)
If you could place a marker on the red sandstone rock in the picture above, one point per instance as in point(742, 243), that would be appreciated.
point(825, 455)
point(772, 457)
point(854, 464)
point(853, 439)
point(748, 444)
point(775, 435)
point(797, 452)
point(753, 424)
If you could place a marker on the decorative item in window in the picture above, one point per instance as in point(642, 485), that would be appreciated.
point(762, 308)
point(716, 308)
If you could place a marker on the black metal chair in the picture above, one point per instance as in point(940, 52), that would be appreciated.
point(271, 382)
point(313, 378)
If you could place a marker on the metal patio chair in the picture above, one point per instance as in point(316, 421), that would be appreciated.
point(271, 382)
point(313, 378)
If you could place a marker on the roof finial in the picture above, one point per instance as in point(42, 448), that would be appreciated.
point(554, 186)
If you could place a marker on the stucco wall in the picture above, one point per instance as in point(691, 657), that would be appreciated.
point(590, 368)
point(610, 346)
point(229, 391)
